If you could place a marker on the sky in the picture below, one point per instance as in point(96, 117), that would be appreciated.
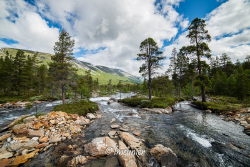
point(109, 32)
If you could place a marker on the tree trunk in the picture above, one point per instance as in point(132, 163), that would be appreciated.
point(63, 95)
point(149, 73)
point(203, 95)
point(149, 87)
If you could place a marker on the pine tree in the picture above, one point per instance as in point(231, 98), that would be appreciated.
point(18, 75)
point(151, 55)
point(198, 36)
point(42, 78)
point(61, 68)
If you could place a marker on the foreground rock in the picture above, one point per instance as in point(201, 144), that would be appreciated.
point(127, 160)
point(165, 156)
point(100, 146)
point(34, 135)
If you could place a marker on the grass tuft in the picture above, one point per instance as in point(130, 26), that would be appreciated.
point(80, 107)
point(157, 102)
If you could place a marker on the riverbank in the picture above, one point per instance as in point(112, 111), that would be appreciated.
point(23, 101)
point(230, 108)
point(33, 135)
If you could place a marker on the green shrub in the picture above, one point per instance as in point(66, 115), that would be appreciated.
point(220, 104)
point(81, 107)
point(157, 102)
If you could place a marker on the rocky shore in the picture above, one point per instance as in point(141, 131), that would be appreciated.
point(19, 104)
point(242, 117)
point(32, 135)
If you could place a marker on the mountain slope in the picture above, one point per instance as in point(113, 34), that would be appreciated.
point(103, 73)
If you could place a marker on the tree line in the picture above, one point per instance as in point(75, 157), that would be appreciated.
point(26, 76)
point(193, 70)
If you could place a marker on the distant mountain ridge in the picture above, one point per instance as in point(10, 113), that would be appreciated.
point(102, 73)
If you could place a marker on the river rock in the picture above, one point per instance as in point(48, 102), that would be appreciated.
point(41, 145)
point(75, 129)
point(115, 126)
point(53, 122)
point(124, 128)
point(36, 133)
point(248, 120)
point(5, 154)
point(29, 119)
point(137, 133)
point(91, 116)
point(80, 159)
point(168, 110)
point(126, 159)
point(82, 121)
point(100, 146)
point(112, 134)
point(35, 138)
point(23, 158)
point(55, 138)
point(20, 145)
point(37, 125)
point(5, 136)
point(21, 139)
point(20, 129)
point(208, 111)
point(112, 120)
point(165, 156)
point(98, 116)
point(131, 140)
point(43, 139)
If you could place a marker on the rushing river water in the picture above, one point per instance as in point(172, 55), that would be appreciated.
point(8, 115)
point(199, 139)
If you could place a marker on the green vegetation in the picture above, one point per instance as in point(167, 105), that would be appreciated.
point(156, 102)
point(80, 107)
point(193, 76)
point(222, 104)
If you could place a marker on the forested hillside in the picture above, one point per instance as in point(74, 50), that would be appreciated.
point(102, 73)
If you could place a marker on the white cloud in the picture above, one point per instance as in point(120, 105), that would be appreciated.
point(231, 17)
point(228, 26)
point(27, 27)
point(118, 25)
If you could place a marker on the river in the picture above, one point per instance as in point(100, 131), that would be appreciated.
point(199, 139)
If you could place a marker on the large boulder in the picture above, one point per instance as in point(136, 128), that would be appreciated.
point(125, 157)
point(165, 156)
point(22, 145)
point(131, 140)
point(36, 133)
point(100, 146)
point(20, 129)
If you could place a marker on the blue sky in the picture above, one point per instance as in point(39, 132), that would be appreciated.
point(108, 32)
